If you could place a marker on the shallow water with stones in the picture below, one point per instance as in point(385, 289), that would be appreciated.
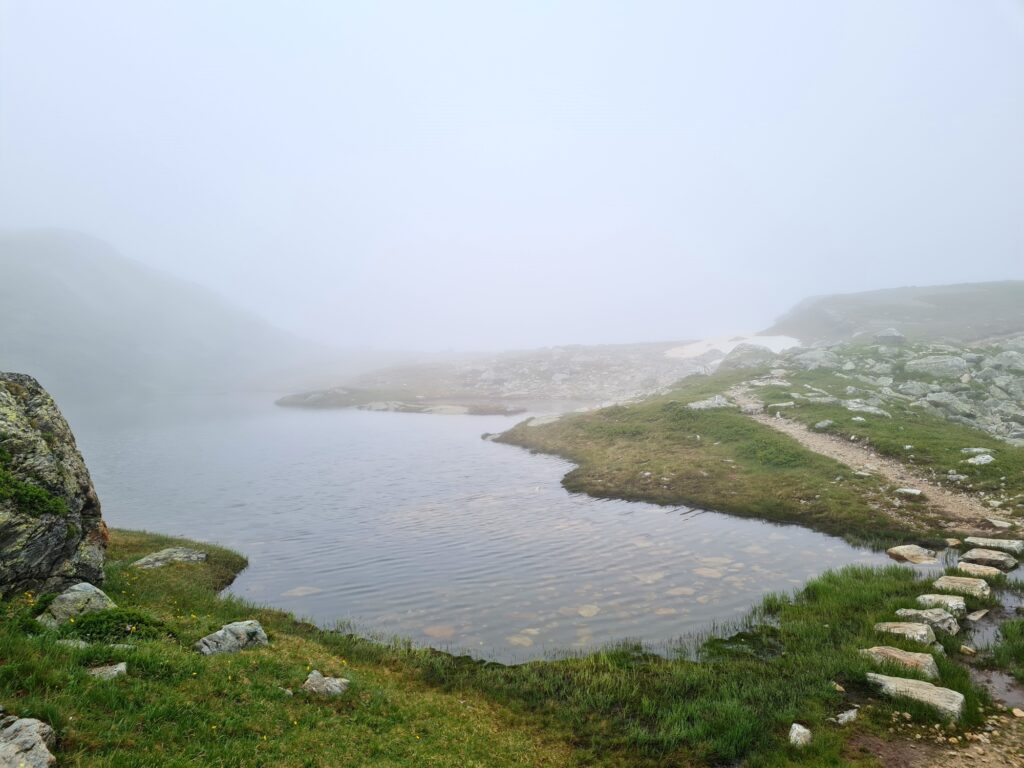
point(410, 525)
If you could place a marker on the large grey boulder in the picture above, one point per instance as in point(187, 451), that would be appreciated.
point(948, 702)
point(25, 743)
point(73, 602)
point(168, 556)
point(937, 367)
point(51, 531)
point(232, 638)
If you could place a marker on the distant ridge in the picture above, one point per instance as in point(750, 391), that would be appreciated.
point(91, 324)
point(962, 312)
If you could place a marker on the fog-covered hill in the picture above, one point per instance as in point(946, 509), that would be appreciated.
point(92, 325)
point(964, 312)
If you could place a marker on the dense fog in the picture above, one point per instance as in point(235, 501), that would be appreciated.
point(458, 176)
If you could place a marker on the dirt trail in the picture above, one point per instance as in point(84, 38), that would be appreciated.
point(961, 510)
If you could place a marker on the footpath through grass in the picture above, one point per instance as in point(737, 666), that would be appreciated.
point(660, 451)
point(417, 707)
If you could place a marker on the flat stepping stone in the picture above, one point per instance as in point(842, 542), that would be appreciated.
point(936, 618)
point(232, 638)
point(919, 633)
point(953, 604)
point(948, 702)
point(920, 662)
point(992, 557)
point(1014, 546)
point(75, 601)
point(170, 555)
point(109, 671)
point(977, 615)
point(963, 586)
point(911, 553)
point(982, 571)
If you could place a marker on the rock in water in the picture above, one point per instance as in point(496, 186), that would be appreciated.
point(75, 601)
point(51, 531)
point(1014, 546)
point(954, 604)
point(799, 736)
point(232, 638)
point(948, 702)
point(170, 555)
point(25, 743)
point(886, 654)
point(325, 686)
point(990, 557)
point(981, 571)
point(936, 618)
point(912, 553)
point(963, 586)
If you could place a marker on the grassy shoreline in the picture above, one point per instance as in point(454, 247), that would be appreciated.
point(407, 706)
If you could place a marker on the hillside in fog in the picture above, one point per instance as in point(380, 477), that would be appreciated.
point(964, 312)
point(92, 324)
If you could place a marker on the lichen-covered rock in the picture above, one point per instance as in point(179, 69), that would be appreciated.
point(936, 618)
point(232, 638)
point(25, 743)
point(912, 630)
point(75, 601)
point(991, 557)
point(963, 586)
point(109, 671)
point(953, 604)
point(51, 531)
point(948, 702)
point(920, 662)
point(170, 555)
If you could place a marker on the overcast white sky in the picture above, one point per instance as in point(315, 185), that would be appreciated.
point(480, 174)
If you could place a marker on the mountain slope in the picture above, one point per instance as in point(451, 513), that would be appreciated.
point(90, 323)
point(964, 312)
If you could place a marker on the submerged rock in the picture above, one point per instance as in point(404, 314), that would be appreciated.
point(73, 602)
point(232, 638)
point(170, 555)
point(52, 534)
point(948, 702)
point(921, 662)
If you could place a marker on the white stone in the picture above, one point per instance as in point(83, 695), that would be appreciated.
point(981, 571)
point(110, 671)
point(886, 654)
point(992, 557)
point(985, 458)
point(1015, 546)
point(912, 553)
point(954, 604)
point(325, 686)
point(936, 618)
point(963, 586)
point(921, 633)
point(948, 702)
point(233, 637)
point(799, 736)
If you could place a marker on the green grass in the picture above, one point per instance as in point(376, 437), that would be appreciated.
point(717, 459)
point(723, 701)
point(1008, 653)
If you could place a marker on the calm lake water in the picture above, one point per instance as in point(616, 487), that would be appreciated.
point(411, 525)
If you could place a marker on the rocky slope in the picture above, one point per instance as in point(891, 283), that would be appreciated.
point(51, 532)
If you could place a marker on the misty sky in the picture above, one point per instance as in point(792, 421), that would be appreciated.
point(488, 175)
